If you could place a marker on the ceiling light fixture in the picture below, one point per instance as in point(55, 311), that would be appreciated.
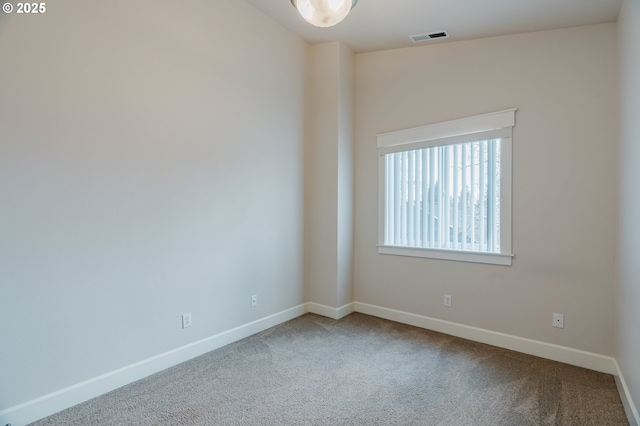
point(324, 13)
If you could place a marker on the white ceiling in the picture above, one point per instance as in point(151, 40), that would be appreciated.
point(387, 24)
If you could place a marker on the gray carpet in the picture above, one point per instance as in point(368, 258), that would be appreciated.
point(360, 370)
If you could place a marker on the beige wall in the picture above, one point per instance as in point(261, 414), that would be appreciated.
point(565, 146)
point(346, 134)
point(329, 175)
point(150, 165)
point(628, 349)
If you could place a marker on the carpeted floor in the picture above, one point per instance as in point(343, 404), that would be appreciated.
point(360, 370)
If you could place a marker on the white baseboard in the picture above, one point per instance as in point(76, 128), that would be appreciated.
point(46, 405)
point(563, 354)
point(328, 311)
point(571, 356)
point(625, 396)
point(550, 351)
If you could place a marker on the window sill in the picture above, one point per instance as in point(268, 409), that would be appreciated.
point(456, 255)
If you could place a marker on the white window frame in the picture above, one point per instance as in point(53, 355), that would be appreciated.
point(496, 125)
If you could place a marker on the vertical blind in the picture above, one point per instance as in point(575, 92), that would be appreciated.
point(444, 197)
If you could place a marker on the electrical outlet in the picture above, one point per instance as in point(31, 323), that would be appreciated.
point(186, 320)
point(558, 320)
point(254, 300)
point(447, 300)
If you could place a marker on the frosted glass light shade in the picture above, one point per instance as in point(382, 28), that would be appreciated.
point(324, 13)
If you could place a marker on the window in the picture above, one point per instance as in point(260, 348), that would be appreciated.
point(445, 190)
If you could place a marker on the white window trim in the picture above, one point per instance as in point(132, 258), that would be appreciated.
point(487, 126)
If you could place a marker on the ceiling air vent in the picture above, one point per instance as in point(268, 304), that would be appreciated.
point(431, 36)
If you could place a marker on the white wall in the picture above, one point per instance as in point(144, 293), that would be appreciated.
point(628, 350)
point(150, 165)
point(564, 84)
